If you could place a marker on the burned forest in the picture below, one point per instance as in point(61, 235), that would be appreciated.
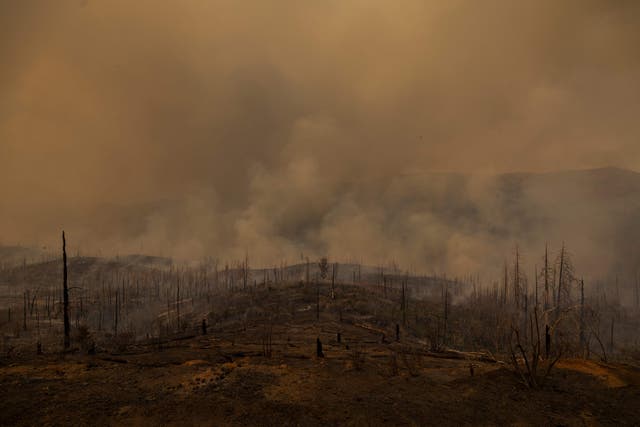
point(175, 338)
point(336, 213)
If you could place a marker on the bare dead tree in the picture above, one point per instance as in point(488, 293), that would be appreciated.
point(535, 275)
point(245, 270)
point(582, 334)
point(566, 279)
point(516, 278)
point(117, 312)
point(506, 284)
point(637, 289)
point(178, 302)
point(547, 342)
point(445, 314)
point(403, 302)
point(65, 294)
point(546, 279)
point(24, 315)
point(334, 273)
point(317, 299)
point(593, 323)
point(384, 285)
point(526, 355)
point(611, 335)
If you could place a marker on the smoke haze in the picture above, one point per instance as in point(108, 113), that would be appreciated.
point(214, 128)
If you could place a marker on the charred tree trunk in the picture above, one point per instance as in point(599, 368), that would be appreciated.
point(506, 284)
point(516, 279)
point(319, 352)
point(611, 336)
point(403, 304)
point(334, 273)
point(582, 336)
point(317, 299)
point(637, 293)
point(546, 280)
point(65, 294)
point(535, 276)
point(560, 280)
point(178, 303)
point(384, 285)
point(115, 318)
point(547, 342)
point(24, 315)
point(446, 315)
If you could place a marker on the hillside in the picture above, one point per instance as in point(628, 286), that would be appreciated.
point(262, 369)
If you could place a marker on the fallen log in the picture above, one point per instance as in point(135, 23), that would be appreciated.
point(462, 355)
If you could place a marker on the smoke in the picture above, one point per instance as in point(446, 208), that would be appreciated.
point(289, 128)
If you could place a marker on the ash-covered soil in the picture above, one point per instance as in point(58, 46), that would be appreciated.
point(223, 378)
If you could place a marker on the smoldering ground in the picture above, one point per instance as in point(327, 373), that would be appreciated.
point(285, 128)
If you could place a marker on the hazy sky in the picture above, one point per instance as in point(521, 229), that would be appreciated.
point(191, 127)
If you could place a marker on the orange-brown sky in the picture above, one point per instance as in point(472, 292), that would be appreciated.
point(199, 128)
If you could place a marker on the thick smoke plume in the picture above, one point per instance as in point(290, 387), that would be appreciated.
point(287, 129)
